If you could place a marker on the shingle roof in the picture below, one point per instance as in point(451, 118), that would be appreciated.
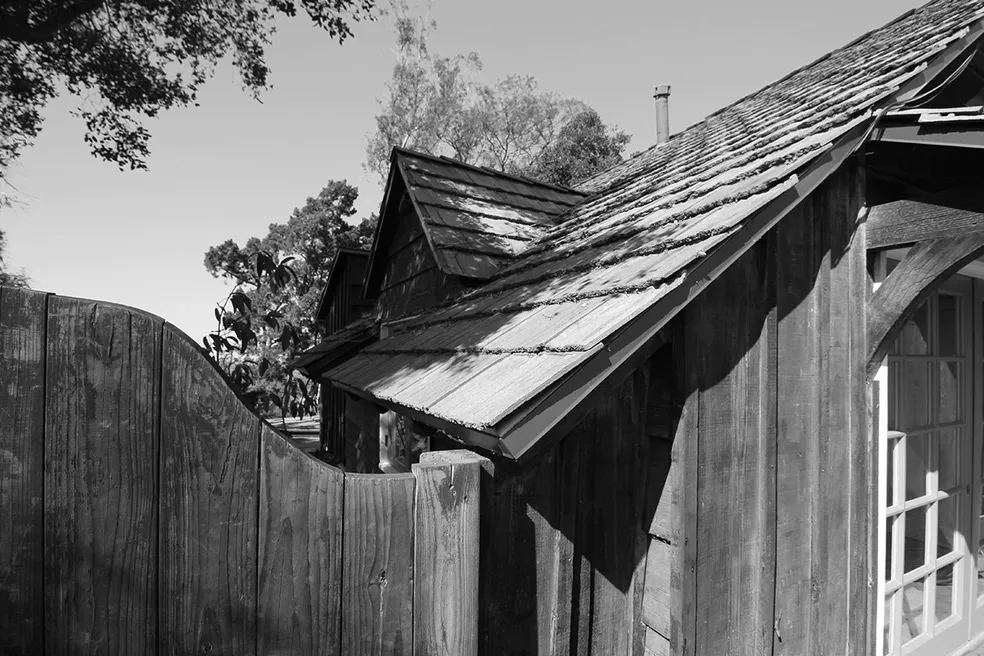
point(476, 219)
point(650, 222)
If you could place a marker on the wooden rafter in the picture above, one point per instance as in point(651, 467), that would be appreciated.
point(906, 222)
point(959, 135)
point(913, 280)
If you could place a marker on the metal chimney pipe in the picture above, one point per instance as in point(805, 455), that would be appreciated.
point(662, 97)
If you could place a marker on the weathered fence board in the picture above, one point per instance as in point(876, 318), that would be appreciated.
point(145, 510)
point(377, 569)
point(209, 489)
point(300, 557)
point(446, 543)
point(22, 356)
point(101, 435)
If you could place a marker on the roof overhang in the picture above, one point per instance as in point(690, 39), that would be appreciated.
point(546, 418)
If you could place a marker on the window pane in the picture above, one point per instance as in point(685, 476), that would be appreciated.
point(915, 333)
point(944, 592)
point(892, 449)
point(890, 559)
point(948, 317)
point(949, 407)
point(947, 522)
point(914, 394)
point(948, 459)
point(912, 610)
point(915, 538)
point(889, 618)
point(916, 464)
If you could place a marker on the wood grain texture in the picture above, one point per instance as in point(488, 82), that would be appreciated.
point(300, 551)
point(906, 221)
point(656, 644)
point(909, 284)
point(23, 316)
point(831, 538)
point(101, 439)
point(209, 490)
point(553, 514)
point(377, 565)
point(508, 573)
point(854, 286)
point(800, 238)
point(734, 321)
point(683, 486)
point(657, 609)
point(619, 534)
point(446, 553)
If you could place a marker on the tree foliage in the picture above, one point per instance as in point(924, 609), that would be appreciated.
point(268, 317)
point(435, 104)
point(584, 146)
point(10, 278)
point(127, 60)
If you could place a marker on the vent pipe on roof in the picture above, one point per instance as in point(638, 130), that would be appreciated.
point(662, 97)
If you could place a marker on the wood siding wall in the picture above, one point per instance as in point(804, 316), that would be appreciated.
point(760, 540)
point(564, 538)
point(145, 510)
point(411, 280)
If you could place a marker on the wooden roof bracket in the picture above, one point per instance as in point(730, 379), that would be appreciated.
point(929, 263)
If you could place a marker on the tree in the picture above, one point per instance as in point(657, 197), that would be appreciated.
point(436, 105)
point(10, 278)
point(268, 317)
point(583, 147)
point(130, 59)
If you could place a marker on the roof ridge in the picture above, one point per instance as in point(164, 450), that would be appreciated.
point(488, 171)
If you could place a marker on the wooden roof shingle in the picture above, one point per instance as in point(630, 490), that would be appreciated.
point(476, 220)
point(645, 231)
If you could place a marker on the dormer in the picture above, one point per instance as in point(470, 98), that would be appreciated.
point(445, 226)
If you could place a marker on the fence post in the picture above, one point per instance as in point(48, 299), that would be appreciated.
point(446, 539)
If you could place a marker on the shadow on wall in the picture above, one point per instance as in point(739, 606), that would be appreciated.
point(565, 537)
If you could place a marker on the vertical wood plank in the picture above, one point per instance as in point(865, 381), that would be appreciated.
point(582, 602)
point(208, 506)
point(735, 321)
point(860, 441)
point(101, 437)
point(552, 510)
point(300, 552)
point(832, 531)
point(446, 548)
point(798, 416)
point(22, 364)
point(619, 535)
point(683, 483)
point(377, 565)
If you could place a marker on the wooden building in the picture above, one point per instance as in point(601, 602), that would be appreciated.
point(732, 389)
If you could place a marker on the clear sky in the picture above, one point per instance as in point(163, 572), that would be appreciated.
point(232, 166)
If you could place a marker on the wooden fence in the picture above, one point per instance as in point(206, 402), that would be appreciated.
point(145, 510)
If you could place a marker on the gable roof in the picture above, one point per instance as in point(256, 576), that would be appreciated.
point(344, 257)
point(475, 220)
point(657, 229)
